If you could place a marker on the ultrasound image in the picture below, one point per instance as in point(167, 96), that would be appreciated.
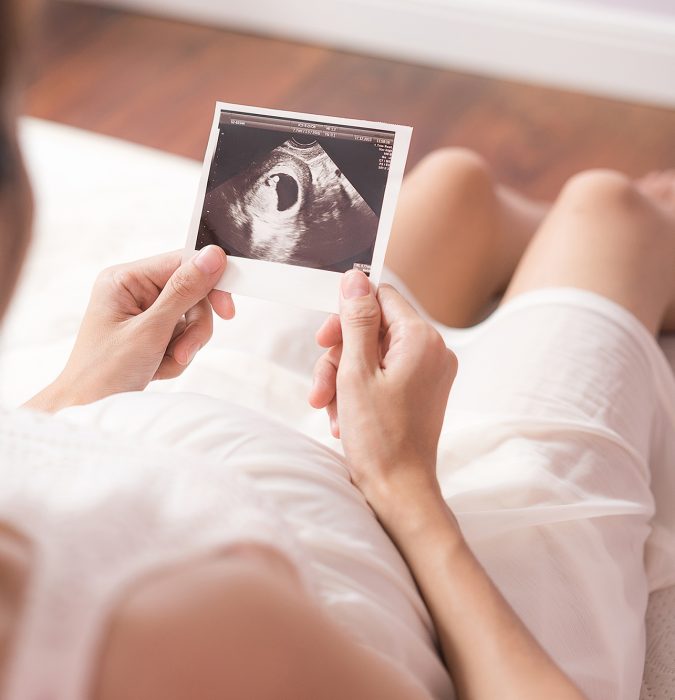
point(282, 197)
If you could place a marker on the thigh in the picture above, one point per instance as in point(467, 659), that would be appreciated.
point(603, 235)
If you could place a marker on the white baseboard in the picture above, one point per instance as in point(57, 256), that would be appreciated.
point(622, 54)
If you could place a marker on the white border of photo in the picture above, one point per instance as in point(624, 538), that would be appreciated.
point(292, 284)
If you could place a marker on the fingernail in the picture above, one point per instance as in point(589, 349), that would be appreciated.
point(355, 284)
point(191, 352)
point(210, 259)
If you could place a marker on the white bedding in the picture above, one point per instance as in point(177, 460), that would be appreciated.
point(103, 201)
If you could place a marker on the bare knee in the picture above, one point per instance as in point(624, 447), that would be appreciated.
point(599, 188)
point(606, 204)
point(464, 168)
point(605, 236)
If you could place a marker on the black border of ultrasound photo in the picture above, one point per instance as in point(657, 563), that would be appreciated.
point(296, 200)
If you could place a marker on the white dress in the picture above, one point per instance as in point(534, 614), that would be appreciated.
point(562, 412)
point(561, 418)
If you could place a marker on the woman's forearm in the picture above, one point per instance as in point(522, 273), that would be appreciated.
point(489, 651)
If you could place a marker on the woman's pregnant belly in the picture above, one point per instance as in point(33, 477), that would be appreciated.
point(357, 573)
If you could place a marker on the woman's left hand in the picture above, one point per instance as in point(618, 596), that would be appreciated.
point(145, 320)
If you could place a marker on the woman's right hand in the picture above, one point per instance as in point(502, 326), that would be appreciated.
point(384, 381)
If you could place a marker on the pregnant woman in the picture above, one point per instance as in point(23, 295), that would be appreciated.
point(499, 544)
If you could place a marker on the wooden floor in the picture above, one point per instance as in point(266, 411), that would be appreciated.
point(155, 82)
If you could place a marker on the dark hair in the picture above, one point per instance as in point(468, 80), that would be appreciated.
point(13, 16)
point(7, 38)
point(14, 22)
point(15, 198)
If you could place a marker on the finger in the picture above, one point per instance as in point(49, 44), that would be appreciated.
point(177, 332)
point(394, 307)
point(198, 331)
point(190, 283)
point(158, 268)
point(138, 283)
point(168, 369)
point(330, 332)
point(222, 304)
point(331, 409)
point(325, 375)
point(179, 329)
point(360, 320)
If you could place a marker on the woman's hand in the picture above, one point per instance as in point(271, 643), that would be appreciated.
point(385, 382)
point(145, 320)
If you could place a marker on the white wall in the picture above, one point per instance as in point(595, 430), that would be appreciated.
point(618, 48)
point(657, 7)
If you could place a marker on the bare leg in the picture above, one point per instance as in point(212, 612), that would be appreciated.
point(458, 236)
point(609, 236)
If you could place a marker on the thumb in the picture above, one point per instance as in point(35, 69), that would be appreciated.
point(360, 320)
point(190, 283)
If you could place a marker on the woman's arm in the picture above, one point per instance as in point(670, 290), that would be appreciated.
point(145, 320)
point(488, 650)
point(385, 382)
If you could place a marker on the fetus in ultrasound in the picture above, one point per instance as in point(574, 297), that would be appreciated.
point(295, 206)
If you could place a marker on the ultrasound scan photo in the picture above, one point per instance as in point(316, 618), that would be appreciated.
point(293, 192)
